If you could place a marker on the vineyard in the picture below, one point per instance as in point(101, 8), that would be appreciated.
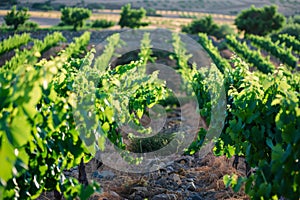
point(56, 112)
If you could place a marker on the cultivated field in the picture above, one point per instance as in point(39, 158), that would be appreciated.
point(170, 20)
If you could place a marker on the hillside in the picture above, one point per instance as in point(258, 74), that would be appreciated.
point(288, 7)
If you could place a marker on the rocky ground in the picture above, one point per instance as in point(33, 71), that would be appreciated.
point(188, 177)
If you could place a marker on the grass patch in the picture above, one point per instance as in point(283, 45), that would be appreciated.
point(102, 23)
point(150, 144)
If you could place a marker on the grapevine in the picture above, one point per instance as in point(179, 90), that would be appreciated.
point(252, 57)
point(14, 42)
point(284, 55)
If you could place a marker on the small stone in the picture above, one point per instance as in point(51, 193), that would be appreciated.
point(115, 195)
point(190, 179)
point(176, 179)
point(103, 175)
point(163, 171)
point(135, 196)
point(67, 173)
point(95, 174)
point(196, 197)
point(141, 191)
point(191, 186)
point(185, 160)
point(170, 169)
point(161, 182)
point(191, 175)
point(165, 197)
point(177, 166)
point(158, 190)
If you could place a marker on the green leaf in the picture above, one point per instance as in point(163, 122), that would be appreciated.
point(20, 128)
point(86, 191)
point(101, 143)
point(239, 184)
point(139, 113)
point(35, 96)
point(283, 86)
point(276, 102)
point(270, 143)
point(266, 84)
point(227, 180)
point(277, 152)
point(105, 127)
point(231, 150)
point(109, 113)
point(8, 159)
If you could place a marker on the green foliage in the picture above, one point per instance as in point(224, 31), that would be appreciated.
point(39, 102)
point(244, 134)
point(150, 144)
point(122, 94)
point(208, 26)
point(223, 31)
point(75, 16)
point(288, 41)
point(202, 25)
point(146, 51)
point(102, 62)
point(252, 57)
point(78, 48)
point(206, 86)
point(296, 19)
point(213, 52)
point(8, 2)
point(31, 26)
point(291, 29)
point(284, 55)
point(45, 6)
point(260, 21)
point(152, 12)
point(92, 6)
point(132, 18)
point(43, 113)
point(263, 125)
point(48, 143)
point(16, 18)
point(28, 57)
point(45, 128)
point(103, 23)
point(234, 181)
point(13, 42)
point(182, 58)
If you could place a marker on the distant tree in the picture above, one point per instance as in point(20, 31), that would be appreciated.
point(16, 18)
point(8, 2)
point(75, 16)
point(152, 12)
point(132, 18)
point(46, 6)
point(202, 25)
point(260, 21)
point(296, 19)
point(208, 26)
